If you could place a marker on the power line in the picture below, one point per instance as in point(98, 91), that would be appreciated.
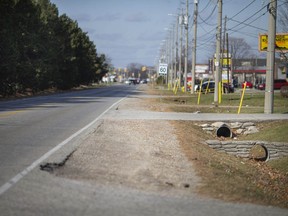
point(243, 22)
point(243, 9)
point(247, 24)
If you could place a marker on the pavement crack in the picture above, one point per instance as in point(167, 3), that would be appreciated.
point(50, 167)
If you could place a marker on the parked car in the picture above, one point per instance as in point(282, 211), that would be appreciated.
point(278, 83)
point(144, 81)
point(248, 85)
point(226, 88)
point(209, 86)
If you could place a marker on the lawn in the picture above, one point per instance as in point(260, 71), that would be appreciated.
point(253, 102)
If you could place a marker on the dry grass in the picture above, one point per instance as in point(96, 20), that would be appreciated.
point(231, 178)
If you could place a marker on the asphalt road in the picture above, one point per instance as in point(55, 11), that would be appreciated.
point(31, 127)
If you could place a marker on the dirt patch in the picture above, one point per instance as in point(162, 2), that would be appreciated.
point(136, 153)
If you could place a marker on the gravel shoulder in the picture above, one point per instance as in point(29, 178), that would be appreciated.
point(141, 154)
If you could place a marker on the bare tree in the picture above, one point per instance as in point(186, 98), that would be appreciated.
point(134, 69)
point(239, 48)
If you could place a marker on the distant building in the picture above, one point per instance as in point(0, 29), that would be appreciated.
point(254, 70)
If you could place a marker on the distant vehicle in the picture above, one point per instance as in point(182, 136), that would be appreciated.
point(127, 82)
point(144, 81)
point(248, 85)
point(133, 81)
point(278, 83)
point(209, 86)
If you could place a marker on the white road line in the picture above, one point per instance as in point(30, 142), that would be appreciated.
point(28, 169)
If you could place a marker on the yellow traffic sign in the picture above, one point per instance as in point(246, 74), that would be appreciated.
point(281, 42)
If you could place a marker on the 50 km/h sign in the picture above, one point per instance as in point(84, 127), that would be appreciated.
point(162, 69)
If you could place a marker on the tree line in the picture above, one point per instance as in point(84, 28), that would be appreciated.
point(40, 49)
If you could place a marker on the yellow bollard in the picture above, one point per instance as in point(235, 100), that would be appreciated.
point(176, 87)
point(219, 93)
point(206, 91)
point(183, 89)
point(242, 97)
point(199, 93)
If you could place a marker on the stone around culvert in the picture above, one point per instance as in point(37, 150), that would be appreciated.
point(251, 130)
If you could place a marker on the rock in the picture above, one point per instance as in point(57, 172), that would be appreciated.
point(205, 125)
point(239, 131)
point(217, 124)
point(208, 128)
point(251, 130)
point(213, 142)
point(247, 124)
point(236, 125)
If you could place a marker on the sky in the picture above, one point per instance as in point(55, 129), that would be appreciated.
point(133, 31)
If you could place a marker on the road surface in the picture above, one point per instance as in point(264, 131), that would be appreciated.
point(30, 127)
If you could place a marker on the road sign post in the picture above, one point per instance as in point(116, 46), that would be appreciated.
point(162, 69)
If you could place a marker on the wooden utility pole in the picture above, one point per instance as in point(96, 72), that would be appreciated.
point(186, 19)
point(228, 71)
point(181, 39)
point(194, 47)
point(218, 50)
point(269, 89)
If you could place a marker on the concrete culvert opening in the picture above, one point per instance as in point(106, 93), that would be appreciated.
point(224, 131)
point(259, 153)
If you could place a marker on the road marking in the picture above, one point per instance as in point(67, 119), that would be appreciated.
point(28, 169)
point(5, 114)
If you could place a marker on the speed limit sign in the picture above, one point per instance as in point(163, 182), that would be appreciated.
point(162, 69)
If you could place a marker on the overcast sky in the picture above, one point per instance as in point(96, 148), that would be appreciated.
point(131, 31)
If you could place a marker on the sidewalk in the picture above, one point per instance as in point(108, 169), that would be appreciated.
point(149, 115)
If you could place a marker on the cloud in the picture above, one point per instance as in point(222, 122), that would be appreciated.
point(137, 17)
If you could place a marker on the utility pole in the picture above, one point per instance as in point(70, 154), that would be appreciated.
point(172, 54)
point(269, 89)
point(218, 49)
point(181, 39)
point(176, 49)
point(186, 18)
point(228, 69)
point(195, 46)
